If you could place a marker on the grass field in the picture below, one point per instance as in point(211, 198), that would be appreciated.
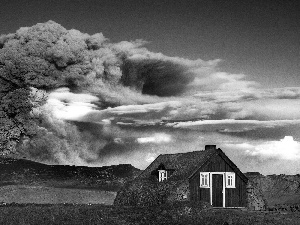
point(101, 214)
point(285, 199)
point(50, 195)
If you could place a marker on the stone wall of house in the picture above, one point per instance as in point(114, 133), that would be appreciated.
point(144, 192)
point(180, 192)
point(255, 198)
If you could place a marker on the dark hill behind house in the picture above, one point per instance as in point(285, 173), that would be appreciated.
point(26, 172)
point(277, 189)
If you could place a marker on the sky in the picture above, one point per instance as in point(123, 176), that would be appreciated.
point(239, 89)
point(257, 38)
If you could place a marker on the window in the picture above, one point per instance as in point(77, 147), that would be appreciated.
point(204, 180)
point(162, 175)
point(230, 180)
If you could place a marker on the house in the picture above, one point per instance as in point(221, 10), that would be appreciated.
point(199, 176)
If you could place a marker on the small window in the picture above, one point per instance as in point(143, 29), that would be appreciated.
point(230, 180)
point(204, 180)
point(162, 175)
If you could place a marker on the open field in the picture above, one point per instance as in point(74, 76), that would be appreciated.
point(50, 195)
point(101, 214)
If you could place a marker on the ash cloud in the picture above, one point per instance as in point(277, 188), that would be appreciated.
point(68, 97)
point(77, 73)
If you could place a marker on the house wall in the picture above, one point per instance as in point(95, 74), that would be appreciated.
point(235, 197)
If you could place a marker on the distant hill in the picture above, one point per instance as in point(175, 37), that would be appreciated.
point(26, 172)
point(278, 189)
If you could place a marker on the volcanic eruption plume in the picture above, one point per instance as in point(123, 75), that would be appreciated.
point(51, 77)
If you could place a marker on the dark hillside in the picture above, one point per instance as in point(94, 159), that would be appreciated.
point(22, 171)
point(278, 189)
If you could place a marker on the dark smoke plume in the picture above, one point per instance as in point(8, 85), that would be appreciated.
point(37, 60)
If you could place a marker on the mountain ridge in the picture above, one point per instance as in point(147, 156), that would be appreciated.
point(22, 171)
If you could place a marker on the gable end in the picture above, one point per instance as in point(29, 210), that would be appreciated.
point(232, 165)
point(202, 164)
point(227, 160)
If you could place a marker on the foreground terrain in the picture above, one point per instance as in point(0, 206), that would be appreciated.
point(50, 195)
point(24, 181)
point(100, 214)
point(83, 195)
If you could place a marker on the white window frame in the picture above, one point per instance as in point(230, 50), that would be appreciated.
point(162, 175)
point(205, 180)
point(230, 179)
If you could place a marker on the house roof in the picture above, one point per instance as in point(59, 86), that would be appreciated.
point(184, 164)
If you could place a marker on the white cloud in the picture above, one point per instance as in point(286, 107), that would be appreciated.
point(70, 106)
point(156, 138)
point(148, 113)
point(223, 81)
point(284, 149)
point(131, 109)
point(64, 94)
point(287, 148)
point(250, 123)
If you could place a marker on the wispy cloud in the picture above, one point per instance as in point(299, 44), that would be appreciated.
point(248, 94)
point(156, 138)
point(146, 108)
point(221, 81)
point(231, 124)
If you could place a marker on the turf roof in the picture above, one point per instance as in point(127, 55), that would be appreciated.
point(183, 164)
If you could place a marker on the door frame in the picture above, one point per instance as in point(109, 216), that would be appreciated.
point(210, 178)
